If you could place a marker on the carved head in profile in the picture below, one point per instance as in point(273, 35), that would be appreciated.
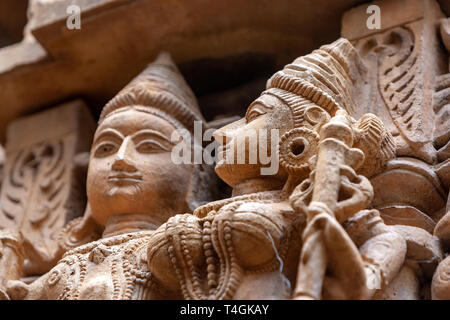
point(130, 168)
point(297, 102)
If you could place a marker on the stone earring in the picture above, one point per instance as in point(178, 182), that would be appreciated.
point(295, 149)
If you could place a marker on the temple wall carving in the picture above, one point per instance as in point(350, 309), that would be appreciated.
point(44, 180)
point(234, 159)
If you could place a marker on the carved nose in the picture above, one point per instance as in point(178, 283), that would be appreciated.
point(219, 136)
point(123, 161)
point(226, 133)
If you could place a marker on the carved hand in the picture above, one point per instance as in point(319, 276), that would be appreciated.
point(11, 258)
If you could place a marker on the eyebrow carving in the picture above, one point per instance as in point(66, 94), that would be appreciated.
point(259, 102)
point(258, 105)
point(107, 132)
point(148, 132)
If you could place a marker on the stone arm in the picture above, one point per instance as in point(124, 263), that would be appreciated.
point(393, 252)
point(37, 290)
point(382, 249)
point(11, 260)
point(19, 290)
point(330, 197)
point(11, 265)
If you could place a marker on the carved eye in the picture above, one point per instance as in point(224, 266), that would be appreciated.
point(150, 147)
point(105, 149)
point(254, 113)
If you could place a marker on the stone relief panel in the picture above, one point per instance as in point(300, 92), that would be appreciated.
point(2, 164)
point(406, 89)
point(441, 102)
point(403, 61)
point(44, 184)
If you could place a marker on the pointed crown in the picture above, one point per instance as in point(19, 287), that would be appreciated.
point(162, 87)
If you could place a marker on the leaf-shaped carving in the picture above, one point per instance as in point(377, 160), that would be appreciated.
point(401, 85)
point(35, 192)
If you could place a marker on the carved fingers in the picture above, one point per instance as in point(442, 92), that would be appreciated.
point(328, 247)
point(440, 286)
point(384, 256)
point(302, 195)
point(17, 290)
point(355, 194)
point(11, 255)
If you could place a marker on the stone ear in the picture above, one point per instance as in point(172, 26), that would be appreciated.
point(296, 148)
point(316, 117)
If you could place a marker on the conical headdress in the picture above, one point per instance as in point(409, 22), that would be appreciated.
point(160, 86)
point(331, 77)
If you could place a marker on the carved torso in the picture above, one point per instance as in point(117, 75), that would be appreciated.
point(110, 268)
point(230, 239)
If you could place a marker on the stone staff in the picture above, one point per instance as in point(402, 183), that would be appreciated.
point(337, 194)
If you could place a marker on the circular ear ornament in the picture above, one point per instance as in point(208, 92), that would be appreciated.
point(296, 147)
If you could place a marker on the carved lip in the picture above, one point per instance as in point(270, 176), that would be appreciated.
point(126, 178)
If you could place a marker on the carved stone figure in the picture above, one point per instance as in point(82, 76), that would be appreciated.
point(249, 246)
point(440, 287)
point(406, 88)
point(340, 171)
point(131, 191)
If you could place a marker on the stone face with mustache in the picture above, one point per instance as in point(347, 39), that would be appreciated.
point(131, 171)
point(132, 187)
